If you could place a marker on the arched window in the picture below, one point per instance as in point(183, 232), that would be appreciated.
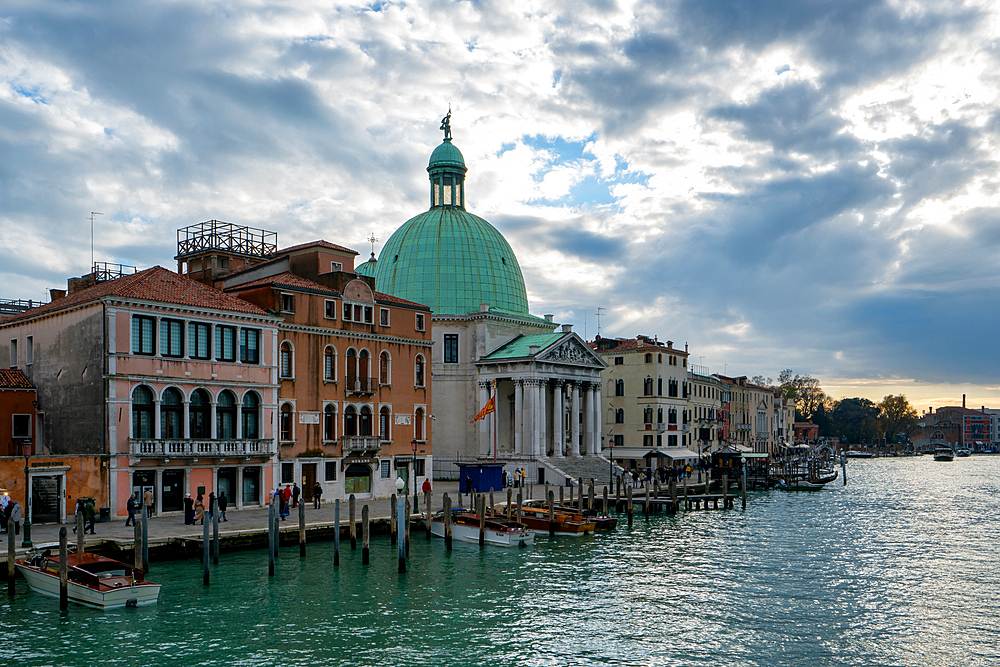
point(418, 371)
point(200, 414)
point(647, 387)
point(285, 364)
point(619, 416)
point(330, 364)
point(659, 358)
point(251, 416)
point(329, 423)
point(659, 416)
point(364, 371)
point(647, 416)
point(672, 388)
point(672, 416)
point(350, 420)
point(225, 415)
point(649, 358)
point(383, 369)
point(659, 386)
point(418, 424)
point(366, 420)
point(619, 387)
point(285, 422)
point(352, 368)
point(171, 415)
point(142, 413)
point(383, 423)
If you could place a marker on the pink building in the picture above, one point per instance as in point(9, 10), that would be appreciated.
point(173, 382)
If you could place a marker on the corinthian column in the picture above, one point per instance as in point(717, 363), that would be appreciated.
point(574, 421)
point(518, 413)
point(598, 418)
point(558, 415)
point(484, 424)
point(588, 419)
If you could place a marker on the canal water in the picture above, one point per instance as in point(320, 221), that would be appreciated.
point(898, 568)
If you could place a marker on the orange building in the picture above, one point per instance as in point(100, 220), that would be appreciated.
point(354, 404)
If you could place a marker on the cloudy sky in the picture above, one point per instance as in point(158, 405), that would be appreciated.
point(783, 183)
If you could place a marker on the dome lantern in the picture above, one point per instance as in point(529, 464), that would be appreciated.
point(447, 171)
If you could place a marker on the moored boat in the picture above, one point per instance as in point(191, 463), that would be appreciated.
point(536, 518)
point(600, 521)
point(498, 531)
point(93, 580)
point(856, 454)
point(944, 454)
point(962, 453)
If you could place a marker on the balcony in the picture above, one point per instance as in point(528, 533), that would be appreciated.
point(181, 449)
point(361, 444)
point(361, 385)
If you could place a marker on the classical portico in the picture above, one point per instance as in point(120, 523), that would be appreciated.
point(547, 391)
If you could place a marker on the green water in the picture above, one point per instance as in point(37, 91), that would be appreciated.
point(898, 568)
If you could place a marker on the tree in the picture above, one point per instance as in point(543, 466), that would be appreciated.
point(805, 389)
point(856, 419)
point(896, 415)
point(762, 381)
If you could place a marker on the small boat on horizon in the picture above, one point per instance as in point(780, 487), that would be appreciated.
point(962, 453)
point(858, 454)
point(93, 580)
point(944, 454)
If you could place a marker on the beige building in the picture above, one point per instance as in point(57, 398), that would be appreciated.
point(707, 433)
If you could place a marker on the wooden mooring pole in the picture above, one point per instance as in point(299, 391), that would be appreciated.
point(393, 519)
point(364, 535)
point(336, 532)
point(552, 514)
point(215, 530)
point(406, 526)
point(646, 508)
point(137, 555)
point(302, 529)
point(579, 499)
point(427, 508)
point(81, 541)
point(447, 522)
point(604, 505)
point(63, 569)
point(11, 571)
point(401, 531)
point(510, 505)
point(352, 503)
point(561, 489)
point(618, 493)
point(145, 539)
point(270, 539)
point(628, 503)
point(205, 549)
point(482, 520)
point(519, 507)
point(590, 495)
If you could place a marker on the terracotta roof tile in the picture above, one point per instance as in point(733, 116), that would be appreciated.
point(154, 284)
point(629, 344)
point(14, 378)
point(286, 279)
point(382, 296)
point(314, 244)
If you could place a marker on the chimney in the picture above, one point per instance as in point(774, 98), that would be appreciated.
point(670, 343)
point(548, 318)
point(963, 401)
point(685, 347)
point(56, 294)
point(567, 328)
point(484, 308)
point(532, 350)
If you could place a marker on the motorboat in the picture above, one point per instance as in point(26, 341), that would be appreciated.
point(536, 518)
point(944, 454)
point(93, 580)
point(498, 530)
point(856, 454)
point(601, 521)
point(962, 453)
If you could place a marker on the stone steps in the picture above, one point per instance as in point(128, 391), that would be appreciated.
point(587, 467)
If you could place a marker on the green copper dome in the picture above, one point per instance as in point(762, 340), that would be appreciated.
point(451, 261)
point(367, 268)
point(446, 155)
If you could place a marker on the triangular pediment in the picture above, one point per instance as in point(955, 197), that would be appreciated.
point(571, 350)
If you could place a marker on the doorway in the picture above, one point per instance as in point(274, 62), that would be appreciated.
point(227, 483)
point(142, 481)
point(46, 492)
point(308, 480)
point(173, 490)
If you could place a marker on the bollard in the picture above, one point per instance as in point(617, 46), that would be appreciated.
point(215, 530)
point(302, 530)
point(406, 523)
point(270, 539)
point(447, 522)
point(743, 486)
point(604, 504)
point(63, 570)
point(510, 504)
point(552, 514)
point(416, 509)
point(393, 519)
point(145, 540)
point(628, 503)
point(570, 494)
point(618, 494)
point(351, 518)
point(401, 531)
point(590, 495)
point(336, 532)
point(519, 515)
point(646, 508)
point(427, 506)
point(482, 520)
point(137, 555)
point(492, 513)
point(725, 491)
point(673, 495)
point(579, 500)
point(843, 467)
point(10, 557)
point(561, 489)
point(364, 535)
point(81, 541)
point(205, 545)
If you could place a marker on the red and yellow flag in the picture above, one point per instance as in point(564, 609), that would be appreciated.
point(487, 409)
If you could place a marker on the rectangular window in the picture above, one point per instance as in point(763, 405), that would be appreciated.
point(369, 314)
point(225, 343)
point(347, 313)
point(287, 303)
point(250, 346)
point(451, 348)
point(619, 440)
point(386, 471)
point(331, 471)
point(22, 426)
point(143, 335)
point(331, 310)
point(419, 469)
point(287, 473)
point(199, 340)
point(171, 338)
point(420, 322)
point(383, 316)
point(671, 441)
point(334, 268)
point(29, 350)
point(647, 441)
point(358, 317)
point(619, 361)
point(13, 353)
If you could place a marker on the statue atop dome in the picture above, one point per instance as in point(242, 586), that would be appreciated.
point(446, 125)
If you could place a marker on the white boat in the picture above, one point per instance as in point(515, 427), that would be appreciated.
point(961, 453)
point(944, 454)
point(856, 454)
point(498, 531)
point(93, 580)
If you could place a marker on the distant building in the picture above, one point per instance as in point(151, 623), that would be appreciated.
point(18, 418)
point(706, 402)
point(806, 433)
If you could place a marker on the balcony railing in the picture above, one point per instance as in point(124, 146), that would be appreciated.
point(361, 443)
point(361, 385)
point(199, 448)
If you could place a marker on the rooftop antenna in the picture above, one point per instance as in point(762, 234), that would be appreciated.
point(92, 214)
point(600, 311)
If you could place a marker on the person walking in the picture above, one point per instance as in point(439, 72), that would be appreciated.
point(90, 514)
point(211, 505)
point(317, 496)
point(283, 503)
point(147, 500)
point(15, 515)
point(188, 510)
point(130, 507)
point(223, 504)
point(199, 510)
point(295, 495)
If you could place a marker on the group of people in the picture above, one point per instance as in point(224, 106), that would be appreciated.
point(11, 510)
point(515, 479)
point(195, 510)
point(663, 473)
point(291, 495)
